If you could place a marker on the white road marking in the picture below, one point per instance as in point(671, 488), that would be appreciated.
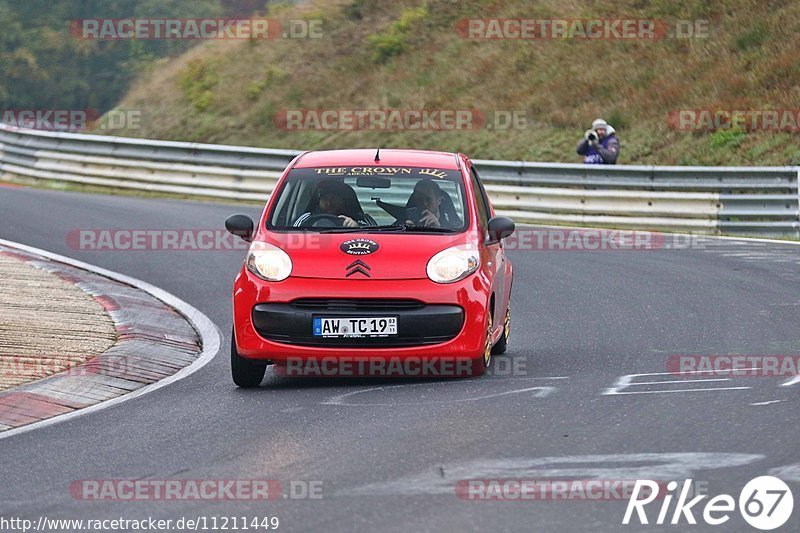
point(767, 403)
point(678, 381)
point(663, 466)
point(693, 372)
point(627, 381)
point(208, 331)
point(541, 392)
point(787, 473)
point(622, 383)
point(538, 392)
point(679, 390)
point(529, 379)
point(791, 382)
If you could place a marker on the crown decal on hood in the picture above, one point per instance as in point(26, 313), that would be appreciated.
point(359, 246)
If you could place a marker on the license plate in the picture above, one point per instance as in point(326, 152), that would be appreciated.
point(355, 327)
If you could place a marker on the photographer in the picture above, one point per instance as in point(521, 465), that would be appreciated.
point(600, 145)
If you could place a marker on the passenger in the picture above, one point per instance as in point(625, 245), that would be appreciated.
point(435, 207)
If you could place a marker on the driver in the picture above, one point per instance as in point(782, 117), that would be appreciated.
point(336, 198)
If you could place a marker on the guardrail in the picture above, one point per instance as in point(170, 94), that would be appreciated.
point(731, 200)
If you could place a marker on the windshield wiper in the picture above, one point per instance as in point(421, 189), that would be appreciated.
point(386, 228)
point(363, 229)
point(428, 229)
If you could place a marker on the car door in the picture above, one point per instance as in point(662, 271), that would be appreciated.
point(493, 254)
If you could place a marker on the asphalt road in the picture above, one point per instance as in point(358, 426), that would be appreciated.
point(389, 453)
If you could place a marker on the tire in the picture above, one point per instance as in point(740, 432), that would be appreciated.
point(245, 373)
point(502, 344)
point(482, 363)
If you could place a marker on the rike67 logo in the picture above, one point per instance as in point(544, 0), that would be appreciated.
point(765, 503)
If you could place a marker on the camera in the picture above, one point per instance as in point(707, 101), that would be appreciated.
point(591, 137)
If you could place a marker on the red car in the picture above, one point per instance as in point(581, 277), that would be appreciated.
point(367, 262)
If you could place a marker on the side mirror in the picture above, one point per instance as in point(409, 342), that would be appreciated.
point(241, 226)
point(499, 228)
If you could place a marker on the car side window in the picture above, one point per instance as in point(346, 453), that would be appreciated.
point(480, 199)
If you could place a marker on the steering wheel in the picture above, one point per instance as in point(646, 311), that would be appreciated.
point(322, 220)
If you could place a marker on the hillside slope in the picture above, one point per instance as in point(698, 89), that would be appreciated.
point(45, 65)
point(408, 55)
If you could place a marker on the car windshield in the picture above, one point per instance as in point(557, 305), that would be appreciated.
point(373, 198)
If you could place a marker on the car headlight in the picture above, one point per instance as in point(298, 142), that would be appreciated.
point(453, 264)
point(268, 262)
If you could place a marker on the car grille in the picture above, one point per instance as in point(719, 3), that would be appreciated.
point(325, 304)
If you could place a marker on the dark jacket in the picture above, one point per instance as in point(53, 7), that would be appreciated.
point(604, 154)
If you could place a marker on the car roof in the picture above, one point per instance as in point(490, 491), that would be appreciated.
point(388, 156)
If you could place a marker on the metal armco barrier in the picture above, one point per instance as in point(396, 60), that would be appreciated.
point(732, 200)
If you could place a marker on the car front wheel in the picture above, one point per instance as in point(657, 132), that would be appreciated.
point(482, 363)
point(502, 344)
point(245, 372)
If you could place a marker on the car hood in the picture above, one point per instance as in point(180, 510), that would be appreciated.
point(361, 256)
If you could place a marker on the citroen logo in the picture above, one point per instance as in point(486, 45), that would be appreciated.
point(359, 247)
point(358, 267)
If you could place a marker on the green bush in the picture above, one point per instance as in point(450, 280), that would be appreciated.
point(272, 74)
point(197, 83)
point(792, 155)
point(354, 10)
point(757, 35)
point(394, 40)
point(617, 120)
point(728, 138)
point(386, 45)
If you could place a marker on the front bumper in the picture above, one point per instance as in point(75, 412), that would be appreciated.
point(273, 320)
point(418, 324)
